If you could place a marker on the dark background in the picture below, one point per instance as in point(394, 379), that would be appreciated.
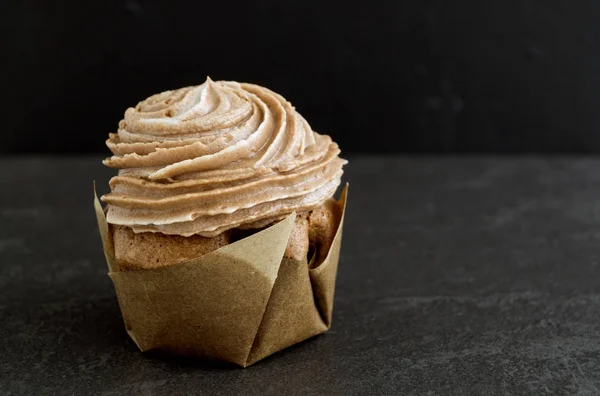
point(396, 76)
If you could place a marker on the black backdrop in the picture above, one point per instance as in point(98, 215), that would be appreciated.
point(395, 76)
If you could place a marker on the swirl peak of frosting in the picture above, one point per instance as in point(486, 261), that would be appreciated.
point(221, 155)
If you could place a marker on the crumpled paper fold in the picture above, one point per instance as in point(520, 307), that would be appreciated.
point(238, 304)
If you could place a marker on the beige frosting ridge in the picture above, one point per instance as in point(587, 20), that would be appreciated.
point(221, 155)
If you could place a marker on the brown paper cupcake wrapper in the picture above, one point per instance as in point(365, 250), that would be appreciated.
point(238, 304)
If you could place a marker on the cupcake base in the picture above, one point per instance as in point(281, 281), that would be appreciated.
point(146, 250)
point(239, 303)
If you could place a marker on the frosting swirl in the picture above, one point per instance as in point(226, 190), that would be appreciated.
point(221, 155)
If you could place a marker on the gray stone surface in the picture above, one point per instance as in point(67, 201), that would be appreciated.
point(458, 276)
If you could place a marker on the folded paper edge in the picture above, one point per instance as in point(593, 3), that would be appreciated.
point(107, 243)
point(342, 204)
point(326, 311)
point(326, 321)
point(282, 229)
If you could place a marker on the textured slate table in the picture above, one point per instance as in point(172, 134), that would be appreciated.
point(458, 276)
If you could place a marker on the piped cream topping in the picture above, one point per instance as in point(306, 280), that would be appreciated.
point(221, 155)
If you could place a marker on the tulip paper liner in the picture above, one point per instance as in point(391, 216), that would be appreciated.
point(238, 304)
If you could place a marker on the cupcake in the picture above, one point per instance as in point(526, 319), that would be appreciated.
point(221, 232)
